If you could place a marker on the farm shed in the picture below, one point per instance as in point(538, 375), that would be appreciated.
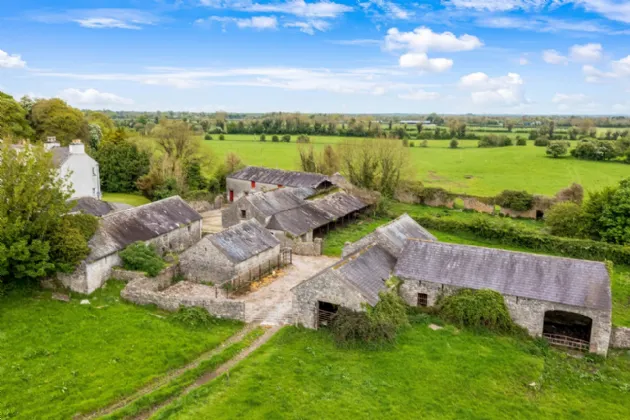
point(256, 178)
point(171, 225)
point(353, 281)
point(567, 301)
point(234, 252)
point(391, 236)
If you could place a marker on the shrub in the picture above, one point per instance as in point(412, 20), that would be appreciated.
point(453, 144)
point(515, 200)
point(424, 143)
point(565, 219)
point(405, 142)
point(275, 138)
point(412, 144)
point(607, 213)
point(207, 136)
point(573, 192)
point(193, 316)
point(541, 141)
point(263, 138)
point(555, 149)
point(521, 141)
point(595, 150)
point(376, 326)
point(286, 138)
point(142, 257)
point(477, 308)
point(495, 141)
point(302, 138)
point(221, 137)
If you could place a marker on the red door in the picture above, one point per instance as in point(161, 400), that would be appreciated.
point(231, 195)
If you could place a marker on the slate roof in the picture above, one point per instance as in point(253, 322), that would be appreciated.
point(402, 228)
point(142, 223)
point(282, 177)
point(560, 280)
point(243, 241)
point(338, 205)
point(272, 202)
point(91, 205)
point(60, 155)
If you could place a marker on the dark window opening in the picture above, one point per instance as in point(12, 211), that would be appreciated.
point(568, 329)
point(423, 299)
point(243, 214)
point(539, 214)
point(253, 184)
point(231, 195)
point(326, 312)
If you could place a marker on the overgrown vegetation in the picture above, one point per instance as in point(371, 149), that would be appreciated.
point(194, 316)
point(515, 200)
point(477, 308)
point(142, 257)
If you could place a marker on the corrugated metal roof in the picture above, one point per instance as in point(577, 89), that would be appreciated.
point(117, 230)
point(243, 241)
point(561, 280)
point(282, 177)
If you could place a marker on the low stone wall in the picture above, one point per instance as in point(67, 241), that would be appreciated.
point(312, 249)
point(620, 338)
point(164, 278)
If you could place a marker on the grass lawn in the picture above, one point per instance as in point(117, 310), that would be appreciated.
point(492, 169)
point(131, 199)
point(58, 359)
point(429, 374)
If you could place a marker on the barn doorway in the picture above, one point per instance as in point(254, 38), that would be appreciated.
point(326, 312)
point(539, 214)
point(423, 299)
point(568, 329)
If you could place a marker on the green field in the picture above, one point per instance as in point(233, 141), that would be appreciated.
point(445, 374)
point(468, 169)
point(58, 359)
point(131, 199)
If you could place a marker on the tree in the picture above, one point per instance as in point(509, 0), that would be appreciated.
point(53, 117)
point(121, 164)
point(231, 164)
point(95, 136)
point(454, 144)
point(595, 150)
point(107, 124)
point(13, 119)
point(36, 238)
point(565, 219)
point(557, 149)
point(607, 213)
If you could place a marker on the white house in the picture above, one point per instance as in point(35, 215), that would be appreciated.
point(85, 177)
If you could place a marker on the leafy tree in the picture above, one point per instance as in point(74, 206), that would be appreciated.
point(521, 141)
point(595, 150)
point(275, 138)
point(607, 213)
point(515, 200)
point(263, 137)
point(121, 164)
point(107, 124)
point(565, 219)
point(454, 144)
point(557, 149)
point(13, 119)
point(53, 117)
point(96, 134)
point(231, 164)
point(286, 138)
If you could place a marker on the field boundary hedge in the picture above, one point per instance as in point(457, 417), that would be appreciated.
point(510, 234)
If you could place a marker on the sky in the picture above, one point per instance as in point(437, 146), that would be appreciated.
point(328, 56)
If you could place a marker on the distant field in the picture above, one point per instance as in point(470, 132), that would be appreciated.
point(131, 199)
point(468, 169)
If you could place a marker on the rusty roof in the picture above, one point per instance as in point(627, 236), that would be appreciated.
point(553, 279)
point(282, 177)
point(243, 241)
point(117, 230)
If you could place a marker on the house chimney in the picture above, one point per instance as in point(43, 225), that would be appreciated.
point(51, 143)
point(77, 148)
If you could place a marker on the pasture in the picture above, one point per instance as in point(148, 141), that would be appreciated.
point(468, 169)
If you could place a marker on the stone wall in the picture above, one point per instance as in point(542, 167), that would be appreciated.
point(304, 245)
point(325, 287)
point(178, 240)
point(620, 338)
point(204, 263)
point(528, 313)
point(165, 277)
point(240, 187)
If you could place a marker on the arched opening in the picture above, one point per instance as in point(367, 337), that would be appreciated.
point(568, 329)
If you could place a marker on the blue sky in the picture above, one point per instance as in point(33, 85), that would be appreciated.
point(365, 56)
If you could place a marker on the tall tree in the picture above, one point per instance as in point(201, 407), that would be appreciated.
point(121, 164)
point(54, 117)
point(13, 119)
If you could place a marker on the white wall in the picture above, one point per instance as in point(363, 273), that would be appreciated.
point(85, 176)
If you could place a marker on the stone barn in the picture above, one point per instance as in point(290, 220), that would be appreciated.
point(256, 178)
point(237, 251)
point(565, 300)
point(391, 236)
point(171, 225)
point(355, 280)
point(96, 207)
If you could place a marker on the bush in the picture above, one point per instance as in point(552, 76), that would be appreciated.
point(565, 219)
point(221, 137)
point(275, 139)
point(515, 200)
point(495, 141)
point(521, 141)
point(207, 137)
point(193, 316)
point(541, 141)
point(424, 143)
point(453, 144)
point(303, 139)
point(286, 138)
point(142, 257)
point(477, 308)
point(595, 150)
point(555, 149)
point(376, 326)
point(412, 144)
point(263, 138)
point(508, 233)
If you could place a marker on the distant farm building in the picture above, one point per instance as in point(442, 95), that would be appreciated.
point(255, 178)
point(171, 225)
point(96, 207)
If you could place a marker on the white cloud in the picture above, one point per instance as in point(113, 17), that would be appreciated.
point(422, 62)
point(498, 5)
point(101, 23)
point(386, 9)
point(420, 95)
point(574, 98)
point(554, 57)
point(619, 69)
point(102, 18)
point(612, 9)
point(11, 61)
point(502, 90)
point(586, 53)
point(423, 39)
point(539, 23)
point(316, 9)
point(310, 26)
point(255, 22)
point(92, 97)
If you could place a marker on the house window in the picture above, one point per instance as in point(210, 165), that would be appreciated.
point(419, 282)
point(253, 184)
point(243, 214)
point(423, 299)
point(93, 191)
point(94, 170)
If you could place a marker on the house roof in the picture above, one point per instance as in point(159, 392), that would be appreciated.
point(91, 205)
point(402, 228)
point(272, 202)
point(281, 177)
point(553, 279)
point(117, 230)
point(338, 205)
point(60, 155)
point(243, 241)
